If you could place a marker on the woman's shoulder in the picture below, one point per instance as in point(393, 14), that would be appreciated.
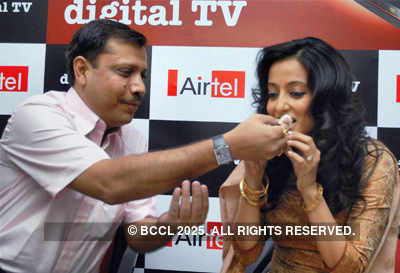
point(379, 156)
point(376, 149)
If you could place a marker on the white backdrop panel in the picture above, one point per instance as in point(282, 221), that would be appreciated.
point(389, 71)
point(194, 67)
point(17, 55)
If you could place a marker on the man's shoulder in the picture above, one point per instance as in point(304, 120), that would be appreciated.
point(40, 109)
point(50, 98)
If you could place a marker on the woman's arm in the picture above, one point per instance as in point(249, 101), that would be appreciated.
point(248, 248)
point(372, 216)
point(305, 165)
point(340, 254)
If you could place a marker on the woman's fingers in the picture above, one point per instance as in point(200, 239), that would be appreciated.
point(295, 158)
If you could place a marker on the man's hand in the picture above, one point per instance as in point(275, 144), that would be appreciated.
point(187, 212)
point(258, 138)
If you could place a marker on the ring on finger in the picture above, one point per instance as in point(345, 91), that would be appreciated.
point(284, 131)
point(309, 158)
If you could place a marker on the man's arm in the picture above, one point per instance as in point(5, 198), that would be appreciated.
point(185, 213)
point(138, 176)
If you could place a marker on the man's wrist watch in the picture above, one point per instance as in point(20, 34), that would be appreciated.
point(221, 150)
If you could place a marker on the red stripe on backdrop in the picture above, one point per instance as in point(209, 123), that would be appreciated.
point(398, 89)
point(252, 23)
point(172, 82)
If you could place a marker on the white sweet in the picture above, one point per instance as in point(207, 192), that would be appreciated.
point(286, 120)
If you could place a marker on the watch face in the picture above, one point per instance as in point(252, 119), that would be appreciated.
point(221, 150)
point(223, 155)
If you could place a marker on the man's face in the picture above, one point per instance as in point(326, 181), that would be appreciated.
point(114, 87)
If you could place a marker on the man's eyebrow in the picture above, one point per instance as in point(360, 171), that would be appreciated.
point(130, 66)
point(108, 50)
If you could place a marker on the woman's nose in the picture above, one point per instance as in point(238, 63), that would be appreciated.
point(282, 104)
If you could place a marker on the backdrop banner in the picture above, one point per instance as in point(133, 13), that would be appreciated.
point(202, 59)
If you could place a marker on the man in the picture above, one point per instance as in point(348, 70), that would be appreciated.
point(70, 158)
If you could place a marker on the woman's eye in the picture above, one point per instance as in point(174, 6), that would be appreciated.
point(272, 95)
point(297, 94)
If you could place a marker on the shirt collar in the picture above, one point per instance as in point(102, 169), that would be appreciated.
point(85, 119)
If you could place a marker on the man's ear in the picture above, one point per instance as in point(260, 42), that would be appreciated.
point(81, 70)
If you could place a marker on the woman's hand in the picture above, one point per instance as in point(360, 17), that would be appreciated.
point(254, 171)
point(305, 163)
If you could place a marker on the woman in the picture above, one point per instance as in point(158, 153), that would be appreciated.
point(330, 174)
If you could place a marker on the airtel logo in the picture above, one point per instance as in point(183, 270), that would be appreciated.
point(14, 78)
point(216, 241)
point(213, 238)
point(223, 84)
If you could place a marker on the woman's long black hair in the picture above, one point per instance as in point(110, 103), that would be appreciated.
point(339, 127)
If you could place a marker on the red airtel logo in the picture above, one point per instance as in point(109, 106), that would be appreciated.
point(215, 241)
point(14, 78)
point(223, 84)
point(211, 239)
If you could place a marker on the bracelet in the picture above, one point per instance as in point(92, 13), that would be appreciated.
point(316, 201)
point(246, 187)
point(254, 203)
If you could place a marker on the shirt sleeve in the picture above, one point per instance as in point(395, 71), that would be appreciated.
point(371, 217)
point(42, 140)
point(139, 209)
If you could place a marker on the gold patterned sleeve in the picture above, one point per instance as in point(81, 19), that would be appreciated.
point(248, 256)
point(370, 217)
